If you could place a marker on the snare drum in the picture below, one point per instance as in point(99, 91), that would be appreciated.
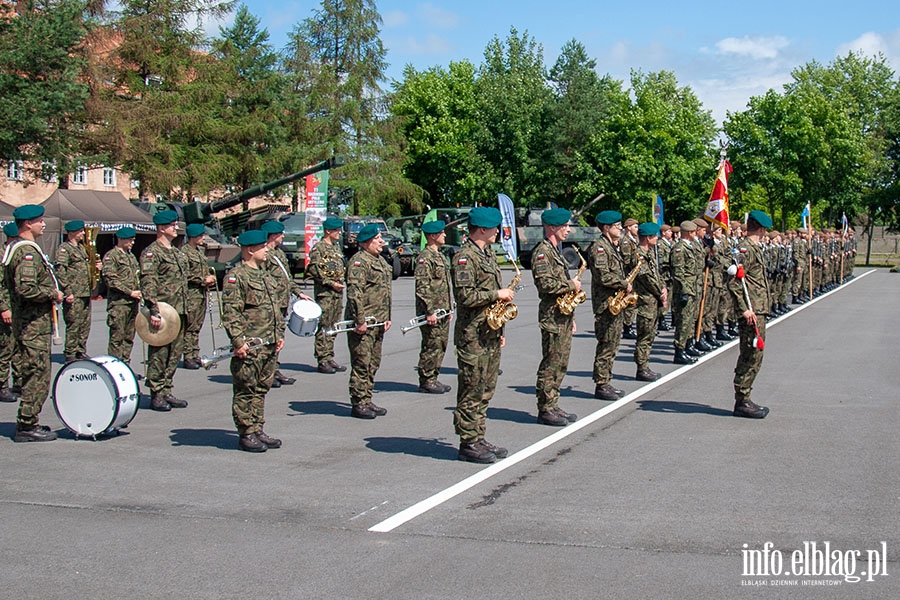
point(95, 396)
point(304, 318)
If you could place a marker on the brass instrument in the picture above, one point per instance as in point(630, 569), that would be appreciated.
point(350, 325)
point(568, 301)
point(420, 320)
point(623, 300)
point(223, 352)
point(90, 248)
point(501, 311)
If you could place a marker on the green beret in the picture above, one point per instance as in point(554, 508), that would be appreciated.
point(273, 227)
point(164, 217)
point(646, 229)
point(485, 216)
point(28, 211)
point(367, 233)
point(74, 226)
point(609, 217)
point(332, 223)
point(762, 218)
point(195, 230)
point(11, 229)
point(555, 216)
point(126, 233)
point(433, 226)
point(688, 226)
point(252, 237)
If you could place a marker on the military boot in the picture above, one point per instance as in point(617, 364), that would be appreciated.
point(646, 374)
point(362, 411)
point(749, 410)
point(682, 357)
point(159, 403)
point(605, 392)
point(175, 402)
point(497, 450)
point(477, 453)
point(271, 442)
point(701, 345)
point(722, 334)
point(251, 443)
point(733, 329)
point(284, 379)
point(629, 333)
point(550, 417)
point(6, 395)
point(38, 433)
point(432, 387)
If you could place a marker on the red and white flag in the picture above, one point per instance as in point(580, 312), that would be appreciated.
point(717, 208)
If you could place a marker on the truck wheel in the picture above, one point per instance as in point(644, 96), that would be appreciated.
point(570, 255)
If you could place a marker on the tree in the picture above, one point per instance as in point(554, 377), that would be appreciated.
point(42, 92)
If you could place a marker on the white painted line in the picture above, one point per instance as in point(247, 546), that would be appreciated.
point(424, 506)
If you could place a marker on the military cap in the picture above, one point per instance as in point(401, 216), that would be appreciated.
point(802, 230)
point(485, 216)
point(646, 229)
point(665, 227)
point(688, 226)
point(630, 221)
point(125, 233)
point(332, 223)
point(273, 227)
point(367, 233)
point(762, 218)
point(28, 211)
point(433, 226)
point(676, 229)
point(701, 223)
point(74, 226)
point(555, 216)
point(11, 229)
point(609, 217)
point(165, 217)
point(195, 230)
point(252, 237)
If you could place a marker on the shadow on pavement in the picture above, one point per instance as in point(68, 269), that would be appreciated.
point(320, 407)
point(225, 439)
point(666, 406)
point(426, 447)
point(396, 386)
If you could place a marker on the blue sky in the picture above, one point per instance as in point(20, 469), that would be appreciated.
point(726, 52)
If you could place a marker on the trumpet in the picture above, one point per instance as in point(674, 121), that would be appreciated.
point(421, 320)
point(223, 352)
point(350, 325)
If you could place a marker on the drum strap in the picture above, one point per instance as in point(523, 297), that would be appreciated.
point(281, 266)
point(10, 250)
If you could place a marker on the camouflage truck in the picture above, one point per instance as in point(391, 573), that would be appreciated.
point(530, 231)
point(392, 247)
point(294, 242)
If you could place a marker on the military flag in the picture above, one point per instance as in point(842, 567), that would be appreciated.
point(508, 225)
point(804, 216)
point(658, 214)
point(717, 207)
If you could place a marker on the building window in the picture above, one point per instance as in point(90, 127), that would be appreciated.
point(109, 177)
point(80, 176)
point(14, 170)
point(48, 172)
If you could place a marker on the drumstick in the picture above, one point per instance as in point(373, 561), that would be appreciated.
point(57, 339)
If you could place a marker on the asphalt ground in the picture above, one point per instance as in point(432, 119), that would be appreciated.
point(655, 496)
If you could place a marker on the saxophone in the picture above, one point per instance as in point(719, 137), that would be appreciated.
point(89, 243)
point(622, 300)
point(568, 301)
point(500, 312)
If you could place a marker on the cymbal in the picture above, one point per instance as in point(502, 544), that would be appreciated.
point(168, 331)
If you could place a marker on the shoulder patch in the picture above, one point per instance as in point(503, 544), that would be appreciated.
point(743, 250)
point(356, 263)
point(62, 250)
point(421, 261)
point(29, 257)
point(148, 254)
point(462, 261)
point(677, 249)
point(232, 279)
point(600, 250)
point(105, 259)
point(539, 256)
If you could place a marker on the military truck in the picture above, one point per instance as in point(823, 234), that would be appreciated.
point(294, 242)
point(392, 248)
point(530, 231)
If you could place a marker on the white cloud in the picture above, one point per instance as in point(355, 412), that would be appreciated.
point(431, 45)
point(871, 44)
point(394, 18)
point(434, 16)
point(753, 47)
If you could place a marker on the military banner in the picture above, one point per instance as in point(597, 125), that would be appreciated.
point(315, 205)
point(717, 208)
point(508, 226)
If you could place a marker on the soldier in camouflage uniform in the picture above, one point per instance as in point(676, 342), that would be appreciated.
point(751, 294)
point(8, 363)
point(74, 278)
point(433, 294)
point(608, 276)
point(279, 268)
point(684, 294)
point(255, 324)
point(476, 287)
point(368, 295)
point(164, 279)
point(652, 294)
point(699, 246)
point(33, 290)
point(551, 278)
point(199, 282)
point(123, 282)
point(628, 248)
point(326, 267)
point(664, 263)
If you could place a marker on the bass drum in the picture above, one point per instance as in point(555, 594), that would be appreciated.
point(96, 396)
point(304, 318)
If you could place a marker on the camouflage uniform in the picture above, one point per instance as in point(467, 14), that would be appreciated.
point(326, 267)
point(368, 295)
point(122, 276)
point(75, 280)
point(197, 270)
point(32, 290)
point(551, 278)
point(607, 277)
point(251, 310)
point(278, 267)
point(628, 249)
point(684, 291)
point(649, 287)
point(750, 359)
point(664, 262)
point(164, 279)
point(432, 293)
point(9, 364)
point(476, 281)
